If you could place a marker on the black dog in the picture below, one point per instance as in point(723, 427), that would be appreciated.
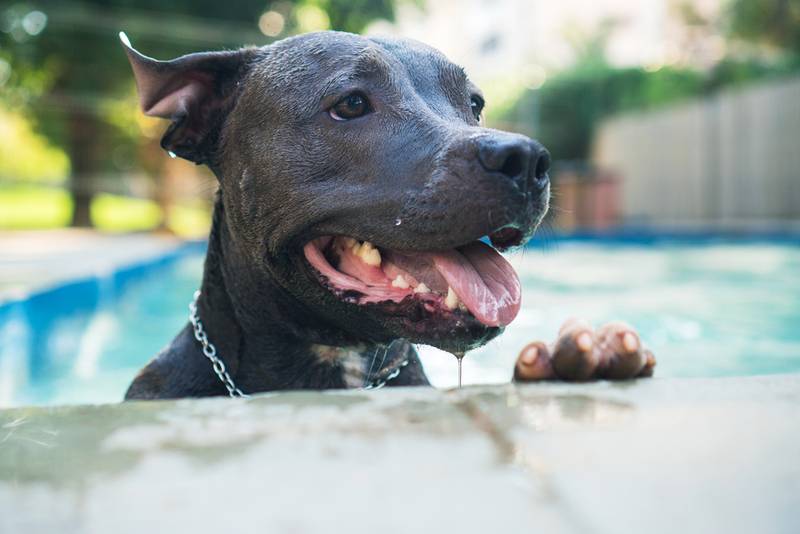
point(356, 182)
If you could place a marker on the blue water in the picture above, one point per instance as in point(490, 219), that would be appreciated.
point(706, 310)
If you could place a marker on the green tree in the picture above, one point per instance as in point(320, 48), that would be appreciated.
point(775, 23)
point(66, 63)
point(572, 103)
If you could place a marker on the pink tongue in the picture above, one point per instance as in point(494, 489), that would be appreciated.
point(484, 281)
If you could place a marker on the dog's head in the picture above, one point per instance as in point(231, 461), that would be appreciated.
point(356, 174)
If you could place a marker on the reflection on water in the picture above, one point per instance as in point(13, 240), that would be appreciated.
point(717, 310)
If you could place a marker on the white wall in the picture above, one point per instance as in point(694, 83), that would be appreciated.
point(733, 157)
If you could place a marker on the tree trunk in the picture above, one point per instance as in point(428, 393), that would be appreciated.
point(84, 132)
point(153, 162)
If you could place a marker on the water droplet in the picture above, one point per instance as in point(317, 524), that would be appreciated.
point(398, 222)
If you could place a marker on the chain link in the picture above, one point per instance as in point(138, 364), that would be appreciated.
point(210, 352)
point(380, 382)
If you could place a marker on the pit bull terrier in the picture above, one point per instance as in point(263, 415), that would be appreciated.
point(361, 208)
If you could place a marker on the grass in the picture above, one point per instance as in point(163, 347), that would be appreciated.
point(32, 207)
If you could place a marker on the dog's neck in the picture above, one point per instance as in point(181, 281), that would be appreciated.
point(261, 332)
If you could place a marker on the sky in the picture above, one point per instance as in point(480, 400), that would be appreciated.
point(494, 39)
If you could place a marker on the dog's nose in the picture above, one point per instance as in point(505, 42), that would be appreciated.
point(520, 159)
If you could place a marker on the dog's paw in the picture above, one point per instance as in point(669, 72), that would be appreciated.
point(613, 352)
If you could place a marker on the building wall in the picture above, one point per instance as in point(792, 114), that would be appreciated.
point(733, 157)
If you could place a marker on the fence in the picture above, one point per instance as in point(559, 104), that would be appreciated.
point(731, 158)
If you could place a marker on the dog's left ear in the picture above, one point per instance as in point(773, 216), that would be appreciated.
point(195, 91)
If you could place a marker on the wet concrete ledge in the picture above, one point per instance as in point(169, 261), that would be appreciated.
point(662, 455)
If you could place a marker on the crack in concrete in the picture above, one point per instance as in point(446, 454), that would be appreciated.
point(514, 454)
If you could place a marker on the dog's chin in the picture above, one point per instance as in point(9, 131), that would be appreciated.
point(455, 299)
point(452, 332)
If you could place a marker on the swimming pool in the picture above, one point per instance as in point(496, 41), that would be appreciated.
point(707, 308)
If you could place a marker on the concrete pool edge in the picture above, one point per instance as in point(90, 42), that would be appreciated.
point(706, 454)
point(96, 272)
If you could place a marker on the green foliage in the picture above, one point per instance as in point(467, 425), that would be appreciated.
point(61, 63)
point(731, 72)
point(354, 15)
point(565, 112)
point(74, 48)
point(775, 23)
point(572, 104)
point(36, 207)
point(27, 156)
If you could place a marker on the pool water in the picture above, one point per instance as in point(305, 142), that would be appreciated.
point(706, 310)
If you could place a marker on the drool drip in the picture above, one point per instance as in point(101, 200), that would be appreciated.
point(459, 356)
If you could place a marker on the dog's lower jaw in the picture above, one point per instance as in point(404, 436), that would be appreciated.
point(264, 346)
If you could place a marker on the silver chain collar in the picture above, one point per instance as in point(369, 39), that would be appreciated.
point(210, 352)
point(391, 373)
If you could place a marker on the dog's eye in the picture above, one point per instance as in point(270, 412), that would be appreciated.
point(476, 103)
point(352, 106)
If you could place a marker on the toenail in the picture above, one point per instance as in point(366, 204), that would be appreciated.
point(630, 342)
point(529, 355)
point(584, 341)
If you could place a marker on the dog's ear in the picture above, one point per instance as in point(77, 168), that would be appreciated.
point(194, 91)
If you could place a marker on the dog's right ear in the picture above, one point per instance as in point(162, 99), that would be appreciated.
point(195, 92)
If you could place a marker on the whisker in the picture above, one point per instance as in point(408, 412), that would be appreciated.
point(372, 363)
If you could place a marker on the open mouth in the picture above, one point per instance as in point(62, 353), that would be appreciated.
point(472, 280)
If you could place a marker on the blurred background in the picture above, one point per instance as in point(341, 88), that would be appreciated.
point(664, 118)
point(659, 112)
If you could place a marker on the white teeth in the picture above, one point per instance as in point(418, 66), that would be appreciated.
point(422, 288)
point(367, 252)
point(451, 300)
point(400, 282)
